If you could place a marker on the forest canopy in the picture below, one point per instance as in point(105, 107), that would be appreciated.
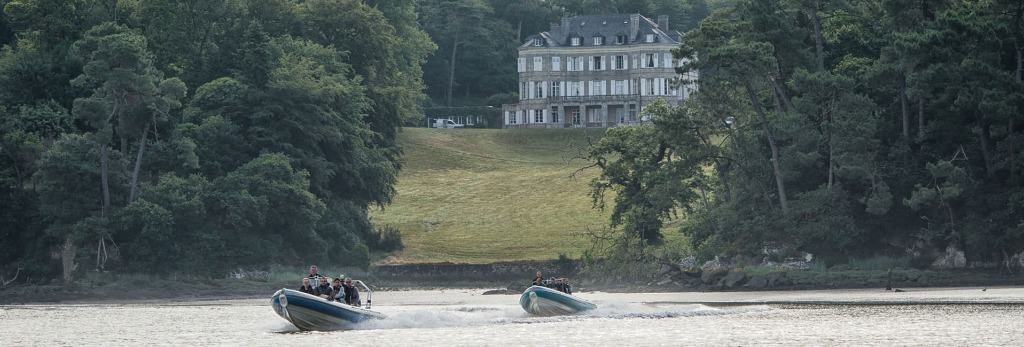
point(844, 129)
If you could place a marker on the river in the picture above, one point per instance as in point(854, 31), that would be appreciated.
point(958, 316)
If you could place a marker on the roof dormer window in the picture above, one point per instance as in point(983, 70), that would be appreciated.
point(598, 40)
point(649, 38)
point(537, 42)
point(620, 39)
point(574, 41)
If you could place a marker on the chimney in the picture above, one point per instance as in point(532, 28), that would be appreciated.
point(634, 26)
point(556, 30)
point(663, 23)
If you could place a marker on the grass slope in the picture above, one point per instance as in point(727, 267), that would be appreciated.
point(486, 195)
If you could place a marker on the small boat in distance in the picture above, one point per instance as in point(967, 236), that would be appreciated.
point(544, 301)
point(309, 312)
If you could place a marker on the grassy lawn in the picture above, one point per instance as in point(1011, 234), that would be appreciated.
point(486, 195)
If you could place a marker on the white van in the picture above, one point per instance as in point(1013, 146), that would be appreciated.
point(447, 124)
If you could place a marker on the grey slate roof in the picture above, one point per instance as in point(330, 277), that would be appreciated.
point(608, 26)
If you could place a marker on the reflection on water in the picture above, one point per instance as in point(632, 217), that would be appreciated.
point(463, 317)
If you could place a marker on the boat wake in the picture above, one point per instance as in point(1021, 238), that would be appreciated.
point(447, 317)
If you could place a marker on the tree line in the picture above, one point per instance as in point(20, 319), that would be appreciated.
point(843, 128)
point(196, 136)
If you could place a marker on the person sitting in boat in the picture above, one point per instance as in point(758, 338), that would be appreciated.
point(338, 290)
point(307, 287)
point(538, 280)
point(324, 289)
point(351, 293)
point(562, 285)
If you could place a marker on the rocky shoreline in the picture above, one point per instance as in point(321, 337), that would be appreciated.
point(513, 278)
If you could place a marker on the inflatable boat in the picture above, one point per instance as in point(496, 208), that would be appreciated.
point(308, 312)
point(544, 301)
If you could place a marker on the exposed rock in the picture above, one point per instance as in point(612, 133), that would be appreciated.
point(688, 262)
point(714, 265)
point(757, 281)
point(712, 276)
point(499, 292)
point(952, 259)
point(776, 279)
point(1016, 262)
point(732, 279)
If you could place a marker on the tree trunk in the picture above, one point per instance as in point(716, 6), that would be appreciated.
point(819, 40)
point(1011, 138)
point(776, 168)
point(134, 191)
point(920, 118)
point(904, 111)
point(519, 32)
point(104, 181)
point(986, 137)
point(780, 93)
point(1013, 155)
point(451, 71)
point(67, 257)
point(831, 154)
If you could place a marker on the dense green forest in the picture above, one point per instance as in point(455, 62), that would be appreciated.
point(847, 129)
point(199, 136)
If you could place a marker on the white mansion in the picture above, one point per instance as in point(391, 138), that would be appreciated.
point(595, 71)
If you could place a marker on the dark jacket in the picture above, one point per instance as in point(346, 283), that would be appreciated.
point(351, 295)
point(324, 290)
point(308, 290)
point(338, 293)
point(538, 281)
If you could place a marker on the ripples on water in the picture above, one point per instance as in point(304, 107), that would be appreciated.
point(465, 318)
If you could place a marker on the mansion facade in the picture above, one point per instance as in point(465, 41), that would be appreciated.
point(596, 71)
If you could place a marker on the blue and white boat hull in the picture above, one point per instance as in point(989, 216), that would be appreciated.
point(543, 301)
point(308, 312)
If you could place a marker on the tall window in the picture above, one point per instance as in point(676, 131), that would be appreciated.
point(620, 62)
point(598, 40)
point(575, 115)
point(522, 65)
point(522, 90)
point(556, 63)
point(513, 117)
point(539, 90)
point(597, 63)
point(619, 87)
point(574, 41)
point(597, 88)
point(538, 116)
point(538, 64)
point(556, 88)
point(649, 60)
point(574, 63)
point(650, 86)
point(554, 115)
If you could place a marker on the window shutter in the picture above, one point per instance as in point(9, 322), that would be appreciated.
point(532, 92)
point(655, 59)
point(643, 86)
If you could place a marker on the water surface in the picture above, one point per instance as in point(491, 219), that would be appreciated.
point(966, 316)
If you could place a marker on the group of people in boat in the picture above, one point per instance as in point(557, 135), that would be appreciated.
point(339, 289)
point(558, 283)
